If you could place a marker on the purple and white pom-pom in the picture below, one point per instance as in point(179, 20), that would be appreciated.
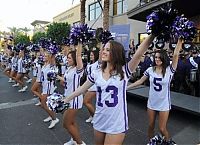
point(183, 28)
point(80, 33)
point(55, 103)
point(105, 36)
point(160, 21)
point(52, 74)
point(52, 48)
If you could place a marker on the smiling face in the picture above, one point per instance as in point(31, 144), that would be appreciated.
point(157, 59)
point(47, 56)
point(70, 60)
point(106, 52)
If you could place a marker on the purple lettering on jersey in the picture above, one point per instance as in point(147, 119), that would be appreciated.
point(158, 86)
point(99, 98)
point(114, 93)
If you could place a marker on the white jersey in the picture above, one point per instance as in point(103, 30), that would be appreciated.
point(159, 93)
point(20, 68)
point(47, 86)
point(64, 66)
point(72, 82)
point(89, 69)
point(38, 72)
point(34, 68)
point(14, 63)
point(111, 106)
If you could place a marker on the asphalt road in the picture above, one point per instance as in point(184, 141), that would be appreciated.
point(22, 123)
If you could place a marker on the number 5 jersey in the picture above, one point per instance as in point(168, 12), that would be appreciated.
point(159, 92)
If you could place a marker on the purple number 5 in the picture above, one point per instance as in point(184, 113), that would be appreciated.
point(158, 86)
point(114, 93)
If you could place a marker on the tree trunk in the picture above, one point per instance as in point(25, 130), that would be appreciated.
point(106, 15)
point(82, 11)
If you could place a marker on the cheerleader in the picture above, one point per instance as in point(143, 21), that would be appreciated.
point(36, 81)
point(20, 72)
point(110, 121)
point(72, 81)
point(48, 87)
point(13, 72)
point(64, 63)
point(91, 93)
point(160, 76)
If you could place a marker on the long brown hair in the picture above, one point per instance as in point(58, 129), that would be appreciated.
point(73, 55)
point(117, 58)
point(165, 61)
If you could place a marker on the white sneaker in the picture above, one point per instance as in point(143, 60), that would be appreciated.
point(23, 89)
point(47, 119)
point(89, 119)
point(29, 80)
point(53, 123)
point(70, 142)
point(16, 85)
point(11, 80)
point(38, 104)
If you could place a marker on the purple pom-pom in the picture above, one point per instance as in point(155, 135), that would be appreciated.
point(160, 21)
point(183, 28)
point(105, 36)
point(56, 104)
point(51, 75)
point(80, 33)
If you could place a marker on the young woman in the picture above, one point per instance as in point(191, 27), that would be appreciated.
point(91, 93)
point(14, 60)
point(160, 76)
point(48, 87)
point(110, 121)
point(20, 72)
point(72, 81)
point(36, 87)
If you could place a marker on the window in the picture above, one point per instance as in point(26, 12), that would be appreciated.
point(94, 11)
point(119, 7)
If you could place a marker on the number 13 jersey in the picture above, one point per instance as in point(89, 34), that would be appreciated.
point(159, 92)
point(111, 106)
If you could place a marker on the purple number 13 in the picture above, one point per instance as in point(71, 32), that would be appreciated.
point(113, 96)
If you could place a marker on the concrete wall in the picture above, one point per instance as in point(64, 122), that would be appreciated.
point(71, 16)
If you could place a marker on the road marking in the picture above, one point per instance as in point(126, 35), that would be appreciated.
point(16, 104)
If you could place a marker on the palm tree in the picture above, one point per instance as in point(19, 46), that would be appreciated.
point(25, 30)
point(82, 11)
point(106, 15)
point(14, 31)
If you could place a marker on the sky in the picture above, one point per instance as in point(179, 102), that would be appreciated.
point(20, 13)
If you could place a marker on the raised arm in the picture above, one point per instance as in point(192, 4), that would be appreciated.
point(79, 61)
point(176, 53)
point(79, 91)
point(138, 82)
point(133, 63)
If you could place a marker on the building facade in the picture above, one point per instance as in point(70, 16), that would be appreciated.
point(71, 16)
point(117, 16)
